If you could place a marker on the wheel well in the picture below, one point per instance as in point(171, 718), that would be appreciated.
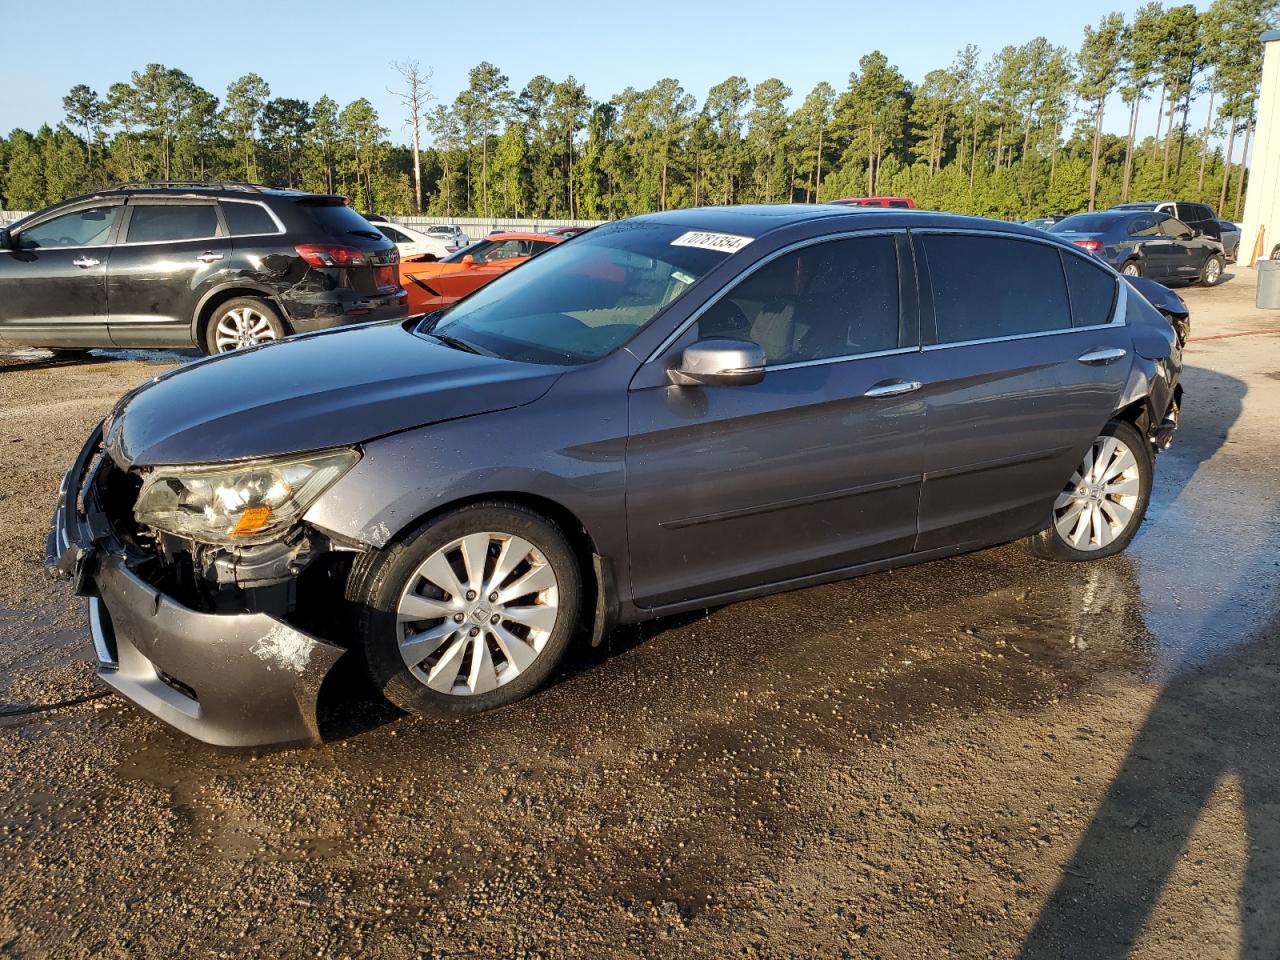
point(222, 296)
point(1136, 414)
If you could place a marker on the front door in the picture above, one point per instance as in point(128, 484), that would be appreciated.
point(1016, 390)
point(53, 289)
point(815, 468)
point(169, 253)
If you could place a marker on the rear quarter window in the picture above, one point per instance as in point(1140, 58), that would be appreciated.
point(985, 287)
point(1093, 291)
point(248, 219)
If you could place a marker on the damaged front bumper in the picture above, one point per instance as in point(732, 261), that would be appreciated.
point(229, 679)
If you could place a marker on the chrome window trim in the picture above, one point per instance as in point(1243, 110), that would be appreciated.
point(822, 361)
point(1118, 312)
point(271, 213)
point(760, 264)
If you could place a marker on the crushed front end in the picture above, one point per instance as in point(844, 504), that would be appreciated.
point(208, 637)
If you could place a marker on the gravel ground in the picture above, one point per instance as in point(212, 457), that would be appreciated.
point(981, 757)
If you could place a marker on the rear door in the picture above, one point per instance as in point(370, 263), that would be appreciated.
point(1019, 375)
point(170, 252)
point(53, 284)
point(815, 468)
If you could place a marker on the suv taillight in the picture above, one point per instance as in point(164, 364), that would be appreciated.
point(331, 255)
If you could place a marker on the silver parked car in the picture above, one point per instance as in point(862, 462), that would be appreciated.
point(668, 412)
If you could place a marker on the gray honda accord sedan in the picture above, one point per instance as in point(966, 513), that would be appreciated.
point(662, 414)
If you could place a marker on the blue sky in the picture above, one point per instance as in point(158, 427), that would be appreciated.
point(345, 50)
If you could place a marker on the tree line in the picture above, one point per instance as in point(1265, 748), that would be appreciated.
point(1017, 134)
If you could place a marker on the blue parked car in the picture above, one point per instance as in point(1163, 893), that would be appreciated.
point(1146, 243)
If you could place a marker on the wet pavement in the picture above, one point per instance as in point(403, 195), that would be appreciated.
point(984, 756)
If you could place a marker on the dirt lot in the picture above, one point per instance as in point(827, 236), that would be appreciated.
point(987, 756)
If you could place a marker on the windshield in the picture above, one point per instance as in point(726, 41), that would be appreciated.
point(1088, 223)
point(582, 300)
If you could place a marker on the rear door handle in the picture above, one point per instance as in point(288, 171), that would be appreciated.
point(1096, 358)
point(85, 262)
point(893, 388)
point(209, 257)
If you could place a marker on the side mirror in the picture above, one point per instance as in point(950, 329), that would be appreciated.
point(468, 261)
point(6, 240)
point(720, 363)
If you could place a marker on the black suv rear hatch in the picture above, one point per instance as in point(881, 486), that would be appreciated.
point(368, 261)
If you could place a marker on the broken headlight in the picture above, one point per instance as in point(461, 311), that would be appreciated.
point(248, 502)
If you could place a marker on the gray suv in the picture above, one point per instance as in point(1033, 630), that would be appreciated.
point(665, 413)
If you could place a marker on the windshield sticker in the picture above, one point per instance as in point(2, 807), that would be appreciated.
point(724, 242)
point(683, 277)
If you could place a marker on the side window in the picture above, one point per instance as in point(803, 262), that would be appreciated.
point(833, 299)
point(1145, 226)
point(1093, 291)
point(986, 287)
point(1174, 228)
point(902, 204)
point(248, 219)
point(395, 236)
point(149, 224)
point(539, 246)
point(83, 228)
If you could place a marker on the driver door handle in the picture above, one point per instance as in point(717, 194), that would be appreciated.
point(85, 262)
point(1096, 358)
point(209, 256)
point(893, 388)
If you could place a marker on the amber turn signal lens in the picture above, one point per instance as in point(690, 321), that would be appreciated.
point(251, 521)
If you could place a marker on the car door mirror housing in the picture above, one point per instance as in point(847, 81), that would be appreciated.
point(468, 260)
point(720, 363)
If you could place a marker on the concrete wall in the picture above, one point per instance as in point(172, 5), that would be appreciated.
point(1262, 203)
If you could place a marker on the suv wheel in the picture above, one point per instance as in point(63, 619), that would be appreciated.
point(1132, 269)
point(473, 610)
point(1211, 272)
point(1102, 506)
point(242, 322)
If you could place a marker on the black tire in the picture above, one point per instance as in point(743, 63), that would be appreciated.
point(1131, 268)
point(69, 353)
point(1275, 252)
point(378, 581)
point(1049, 544)
point(1209, 275)
point(256, 306)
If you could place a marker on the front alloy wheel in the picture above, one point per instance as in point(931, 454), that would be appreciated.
point(1132, 269)
point(470, 611)
point(1100, 509)
point(477, 613)
point(1211, 272)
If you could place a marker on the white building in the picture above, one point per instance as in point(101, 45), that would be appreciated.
point(1262, 201)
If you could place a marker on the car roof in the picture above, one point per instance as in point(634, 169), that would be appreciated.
point(237, 191)
point(757, 220)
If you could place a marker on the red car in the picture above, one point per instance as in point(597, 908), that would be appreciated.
point(437, 283)
point(904, 202)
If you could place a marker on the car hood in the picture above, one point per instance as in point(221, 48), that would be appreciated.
point(330, 389)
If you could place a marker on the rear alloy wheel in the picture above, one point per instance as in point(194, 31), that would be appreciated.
point(1132, 269)
point(1103, 504)
point(473, 611)
point(242, 322)
point(1211, 272)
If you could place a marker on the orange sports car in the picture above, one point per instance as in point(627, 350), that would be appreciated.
point(437, 283)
